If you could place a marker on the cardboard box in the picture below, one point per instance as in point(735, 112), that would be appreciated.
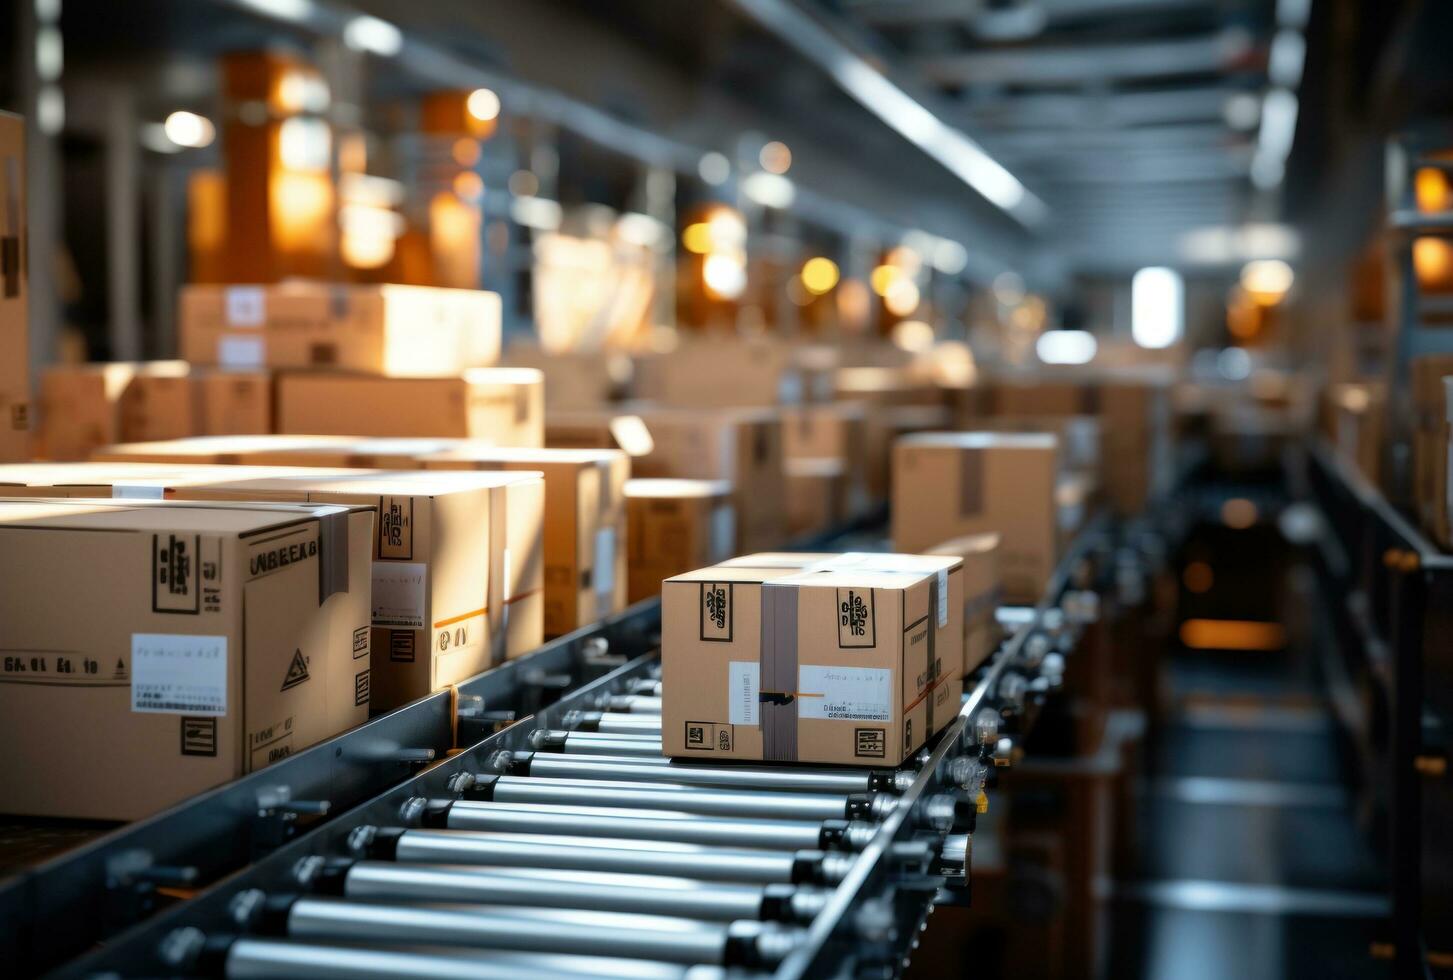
point(673, 527)
point(406, 331)
point(983, 594)
point(585, 525)
point(232, 402)
point(833, 430)
point(86, 406)
point(1430, 444)
point(130, 480)
point(353, 452)
point(503, 406)
point(729, 374)
point(1079, 435)
point(857, 661)
point(267, 450)
point(946, 485)
point(444, 545)
point(1360, 417)
point(816, 495)
point(163, 648)
point(574, 379)
point(14, 290)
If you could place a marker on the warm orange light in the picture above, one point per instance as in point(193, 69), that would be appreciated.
point(1232, 634)
point(697, 238)
point(883, 278)
point(454, 240)
point(854, 303)
point(775, 158)
point(300, 207)
point(798, 293)
point(465, 151)
point(1244, 319)
point(1431, 190)
point(1238, 513)
point(1432, 261)
point(902, 297)
point(1198, 577)
point(469, 185)
point(819, 275)
point(914, 336)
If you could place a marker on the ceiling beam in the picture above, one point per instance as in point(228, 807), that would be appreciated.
point(1181, 104)
point(1216, 53)
point(891, 13)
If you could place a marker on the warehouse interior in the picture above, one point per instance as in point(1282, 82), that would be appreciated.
point(715, 490)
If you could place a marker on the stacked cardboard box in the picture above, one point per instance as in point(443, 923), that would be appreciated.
point(574, 379)
point(816, 495)
point(14, 311)
point(832, 430)
point(674, 526)
point(264, 450)
point(585, 525)
point(210, 641)
point(503, 406)
point(897, 403)
point(732, 374)
point(855, 659)
point(377, 329)
point(1430, 444)
point(457, 574)
point(947, 485)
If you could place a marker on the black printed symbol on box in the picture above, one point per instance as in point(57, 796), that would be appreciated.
point(857, 625)
point(297, 671)
point(361, 685)
point(401, 646)
point(174, 574)
point(360, 642)
point(724, 739)
point(870, 743)
point(908, 732)
point(716, 612)
point(199, 736)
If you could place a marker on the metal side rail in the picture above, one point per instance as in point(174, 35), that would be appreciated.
point(530, 854)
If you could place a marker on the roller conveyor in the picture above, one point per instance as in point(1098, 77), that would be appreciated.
point(568, 846)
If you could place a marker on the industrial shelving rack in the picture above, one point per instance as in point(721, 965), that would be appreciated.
point(1390, 593)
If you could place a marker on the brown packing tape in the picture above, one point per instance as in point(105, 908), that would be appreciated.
point(1089, 399)
point(332, 555)
point(777, 666)
point(971, 482)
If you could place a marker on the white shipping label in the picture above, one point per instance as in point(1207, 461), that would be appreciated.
point(723, 532)
point(743, 678)
point(176, 674)
point(845, 693)
point(246, 306)
point(605, 562)
point(400, 597)
point(155, 491)
point(942, 598)
point(240, 352)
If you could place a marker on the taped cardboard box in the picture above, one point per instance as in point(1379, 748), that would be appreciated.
point(131, 480)
point(674, 526)
point(457, 571)
point(232, 402)
point(817, 495)
point(585, 525)
point(833, 430)
point(86, 406)
point(15, 413)
point(858, 661)
point(355, 452)
point(983, 594)
point(730, 374)
point(946, 485)
point(381, 329)
point(263, 450)
point(163, 648)
point(503, 406)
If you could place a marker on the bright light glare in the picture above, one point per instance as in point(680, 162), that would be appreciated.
point(1234, 364)
point(902, 297)
point(769, 190)
point(714, 168)
point(1288, 53)
point(366, 33)
point(775, 158)
point(49, 54)
point(1157, 307)
point(819, 275)
point(1066, 347)
point(483, 104)
point(1267, 280)
point(724, 275)
point(294, 10)
point(726, 228)
point(1242, 111)
point(189, 129)
point(914, 336)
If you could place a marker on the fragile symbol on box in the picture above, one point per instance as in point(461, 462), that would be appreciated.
point(708, 736)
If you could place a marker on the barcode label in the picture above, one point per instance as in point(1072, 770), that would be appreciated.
point(179, 674)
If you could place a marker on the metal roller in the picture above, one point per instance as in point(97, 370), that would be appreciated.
point(670, 796)
point(662, 825)
point(614, 723)
point(608, 855)
point(549, 888)
point(778, 779)
point(672, 940)
point(642, 704)
point(645, 685)
point(594, 743)
point(271, 959)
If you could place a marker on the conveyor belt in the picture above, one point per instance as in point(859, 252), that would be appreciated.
point(564, 847)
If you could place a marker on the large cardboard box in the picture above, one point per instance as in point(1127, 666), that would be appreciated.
point(817, 495)
point(14, 290)
point(574, 379)
point(160, 648)
point(724, 374)
point(856, 660)
point(674, 526)
point(232, 402)
point(380, 329)
point(352, 452)
point(86, 406)
point(585, 525)
point(264, 450)
point(832, 430)
point(445, 544)
point(946, 485)
point(1079, 435)
point(503, 406)
point(983, 594)
point(131, 480)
